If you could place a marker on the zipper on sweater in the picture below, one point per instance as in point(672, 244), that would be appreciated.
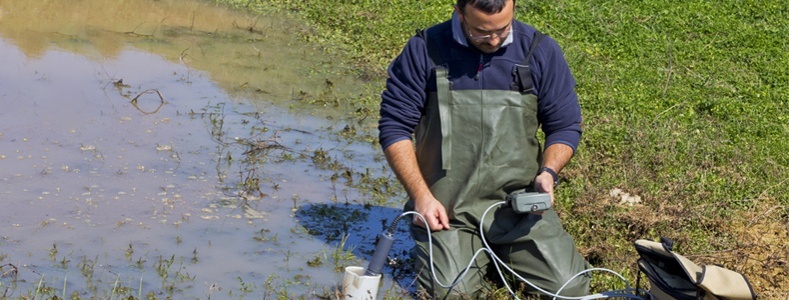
point(479, 68)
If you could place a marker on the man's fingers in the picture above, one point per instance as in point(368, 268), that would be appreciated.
point(434, 223)
point(444, 221)
point(431, 222)
point(418, 222)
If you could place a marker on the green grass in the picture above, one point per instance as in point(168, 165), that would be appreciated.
point(685, 105)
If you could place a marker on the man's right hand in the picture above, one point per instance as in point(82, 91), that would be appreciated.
point(402, 159)
point(433, 211)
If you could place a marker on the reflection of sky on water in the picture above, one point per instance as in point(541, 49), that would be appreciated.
point(88, 178)
point(85, 170)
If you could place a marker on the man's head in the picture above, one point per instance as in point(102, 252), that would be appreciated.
point(486, 23)
point(488, 6)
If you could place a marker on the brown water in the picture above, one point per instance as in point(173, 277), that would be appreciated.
point(166, 149)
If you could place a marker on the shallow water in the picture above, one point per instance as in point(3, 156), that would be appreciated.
point(165, 148)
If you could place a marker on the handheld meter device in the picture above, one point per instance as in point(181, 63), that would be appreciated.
point(526, 202)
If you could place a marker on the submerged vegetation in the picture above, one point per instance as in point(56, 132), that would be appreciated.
point(686, 118)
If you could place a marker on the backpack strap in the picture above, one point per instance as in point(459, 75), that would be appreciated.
point(667, 243)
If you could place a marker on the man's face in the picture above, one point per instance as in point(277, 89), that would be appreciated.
point(486, 31)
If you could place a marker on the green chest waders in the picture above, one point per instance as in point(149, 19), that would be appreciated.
point(474, 147)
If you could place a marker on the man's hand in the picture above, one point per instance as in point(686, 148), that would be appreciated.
point(433, 211)
point(555, 156)
point(543, 183)
point(402, 159)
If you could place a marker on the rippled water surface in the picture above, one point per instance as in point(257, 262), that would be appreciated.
point(164, 149)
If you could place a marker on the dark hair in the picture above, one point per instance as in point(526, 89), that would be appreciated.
point(486, 6)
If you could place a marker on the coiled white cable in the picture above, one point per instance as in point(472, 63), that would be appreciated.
point(626, 293)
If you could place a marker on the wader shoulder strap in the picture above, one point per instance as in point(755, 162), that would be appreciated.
point(432, 47)
point(442, 94)
point(523, 72)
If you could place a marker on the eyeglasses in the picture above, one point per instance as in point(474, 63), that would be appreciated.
point(501, 34)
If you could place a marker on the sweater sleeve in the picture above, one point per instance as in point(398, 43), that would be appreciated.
point(559, 110)
point(403, 100)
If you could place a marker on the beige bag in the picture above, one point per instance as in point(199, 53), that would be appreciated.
point(674, 277)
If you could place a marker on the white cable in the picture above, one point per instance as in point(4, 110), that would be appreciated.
point(626, 293)
point(430, 249)
point(627, 284)
point(497, 261)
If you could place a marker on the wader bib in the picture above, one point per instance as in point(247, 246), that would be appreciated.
point(473, 148)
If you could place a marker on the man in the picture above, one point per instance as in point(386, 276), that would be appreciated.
point(474, 90)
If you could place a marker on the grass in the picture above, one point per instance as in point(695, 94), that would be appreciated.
point(684, 106)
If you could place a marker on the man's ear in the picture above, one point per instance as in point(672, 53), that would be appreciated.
point(460, 13)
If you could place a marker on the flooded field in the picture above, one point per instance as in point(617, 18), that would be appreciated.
point(175, 149)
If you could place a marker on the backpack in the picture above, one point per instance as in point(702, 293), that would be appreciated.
point(674, 277)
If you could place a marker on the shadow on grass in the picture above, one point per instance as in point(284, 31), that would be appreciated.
point(356, 227)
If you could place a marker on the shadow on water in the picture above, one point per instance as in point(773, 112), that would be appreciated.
point(166, 149)
point(356, 227)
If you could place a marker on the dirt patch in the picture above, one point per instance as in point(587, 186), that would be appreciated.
point(763, 252)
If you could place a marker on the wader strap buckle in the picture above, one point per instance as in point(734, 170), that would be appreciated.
point(522, 73)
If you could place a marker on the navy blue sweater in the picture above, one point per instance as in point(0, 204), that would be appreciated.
point(411, 78)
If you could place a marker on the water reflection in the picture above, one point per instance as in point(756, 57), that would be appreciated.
point(145, 151)
point(256, 53)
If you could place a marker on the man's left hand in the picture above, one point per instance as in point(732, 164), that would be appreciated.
point(543, 183)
